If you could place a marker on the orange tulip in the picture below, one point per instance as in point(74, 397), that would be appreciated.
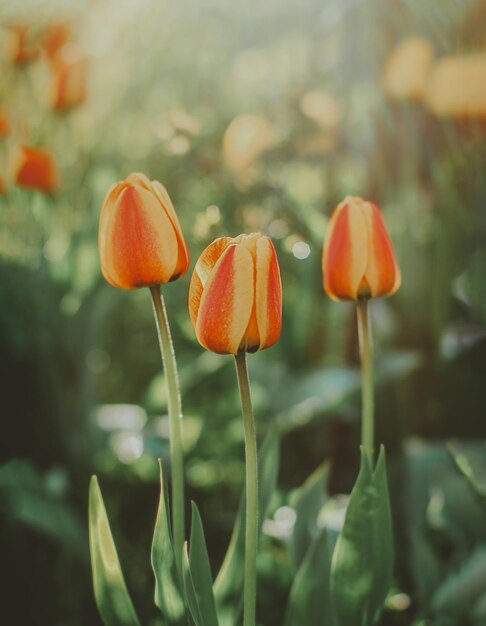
point(235, 295)
point(69, 82)
point(4, 124)
point(34, 168)
point(140, 239)
point(20, 51)
point(3, 186)
point(358, 259)
point(54, 38)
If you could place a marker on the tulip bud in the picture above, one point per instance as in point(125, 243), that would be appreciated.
point(34, 168)
point(358, 259)
point(235, 295)
point(140, 239)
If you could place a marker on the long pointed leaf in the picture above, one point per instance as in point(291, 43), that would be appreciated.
point(310, 601)
point(229, 582)
point(168, 596)
point(201, 570)
point(363, 557)
point(110, 590)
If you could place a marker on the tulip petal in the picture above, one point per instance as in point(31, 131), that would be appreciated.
point(382, 273)
point(137, 179)
point(106, 216)
point(201, 273)
point(268, 293)
point(138, 243)
point(166, 202)
point(226, 302)
point(345, 253)
point(251, 339)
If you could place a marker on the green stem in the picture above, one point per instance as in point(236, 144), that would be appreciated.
point(366, 351)
point(175, 416)
point(251, 528)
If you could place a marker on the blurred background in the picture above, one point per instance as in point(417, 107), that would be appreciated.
point(259, 115)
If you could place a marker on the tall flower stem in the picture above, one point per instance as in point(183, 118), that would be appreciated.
point(366, 352)
point(175, 415)
point(251, 528)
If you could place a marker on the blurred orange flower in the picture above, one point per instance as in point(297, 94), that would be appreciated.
point(235, 295)
point(54, 38)
point(358, 258)
point(19, 49)
point(4, 124)
point(69, 82)
point(3, 186)
point(247, 137)
point(457, 87)
point(408, 68)
point(140, 240)
point(34, 168)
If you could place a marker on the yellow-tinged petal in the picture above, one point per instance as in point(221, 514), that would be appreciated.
point(226, 302)
point(268, 293)
point(183, 256)
point(201, 273)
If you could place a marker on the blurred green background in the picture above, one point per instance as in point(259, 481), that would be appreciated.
point(255, 116)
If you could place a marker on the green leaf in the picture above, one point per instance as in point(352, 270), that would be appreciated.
point(168, 596)
point(308, 501)
point(228, 586)
point(190, 591)
point(201, 570)
point(110, 590)
point(462, 589)
point(363, 557)
point(310, 600)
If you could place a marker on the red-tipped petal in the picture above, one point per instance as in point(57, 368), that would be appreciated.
point(345, 252)
point(382, 273)
point(268, 293)
point(226, 302)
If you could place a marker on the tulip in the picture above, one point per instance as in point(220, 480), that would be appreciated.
point(54, 38)
point(408, 69)
point(457, 87)
point(20, 51)
point(235, 305)
point(3, 186)
point(141, 245)
point(358, 264)
point(4, 124)
point(34, 168)
point(235, 295)
point(358, 259)
point(69, 82)
point(246, 139)
point(140, 239)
